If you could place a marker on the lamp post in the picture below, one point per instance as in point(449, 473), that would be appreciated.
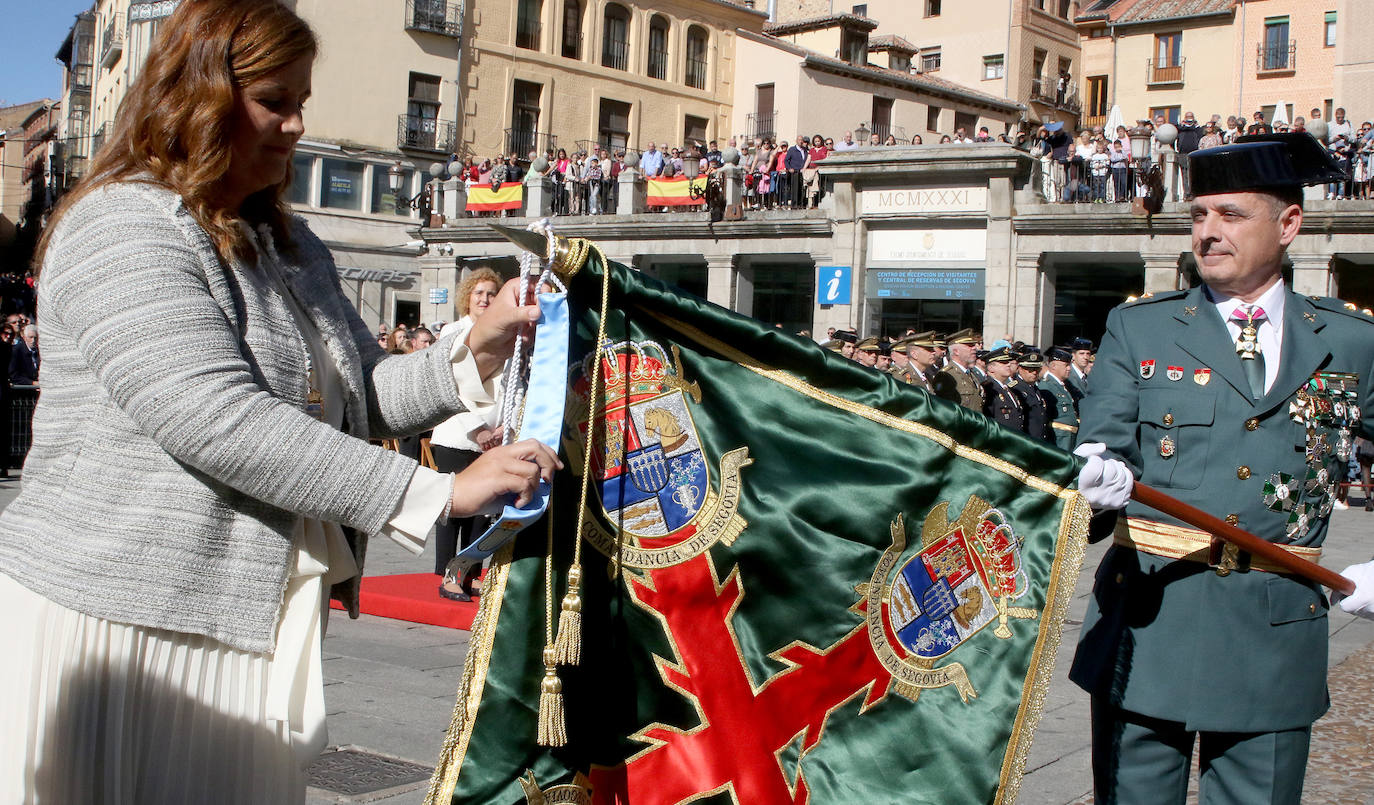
point(861, 134)
point(1149, 191)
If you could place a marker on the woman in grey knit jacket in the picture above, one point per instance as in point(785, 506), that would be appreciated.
point(164, 572)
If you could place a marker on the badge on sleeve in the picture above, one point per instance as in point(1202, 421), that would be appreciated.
point(1174, 373)
point(1202, 376)
point(1147, 370)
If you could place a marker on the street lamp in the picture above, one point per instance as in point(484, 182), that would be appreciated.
point(395, 177)
point(1149, 180)
point(861, 134)
point(1140, 142)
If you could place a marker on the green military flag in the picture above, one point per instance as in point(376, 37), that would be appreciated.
point(801, 581)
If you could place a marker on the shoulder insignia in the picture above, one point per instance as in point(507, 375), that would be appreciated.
point(1152, 296)
point(1190, 310)
point(1310, 316)
point(1334, 305)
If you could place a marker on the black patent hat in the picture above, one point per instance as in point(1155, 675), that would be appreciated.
point(1058, 354)
point(1263, 162)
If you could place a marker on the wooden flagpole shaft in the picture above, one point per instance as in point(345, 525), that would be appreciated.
point(1246, 541)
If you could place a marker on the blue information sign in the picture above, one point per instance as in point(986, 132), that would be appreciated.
point(832, 284)
point(438, 296)
point(925, 283)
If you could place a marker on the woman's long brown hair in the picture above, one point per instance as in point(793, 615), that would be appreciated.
point(175, 124)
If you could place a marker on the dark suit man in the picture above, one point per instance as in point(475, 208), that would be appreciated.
point(24, 358)
point(1000, 404)
point(1037, 403)
point(1200, 394)
point(794, 161)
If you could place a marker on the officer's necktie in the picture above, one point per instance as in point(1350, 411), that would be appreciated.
point(1248, 347)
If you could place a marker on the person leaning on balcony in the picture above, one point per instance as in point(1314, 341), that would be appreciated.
point(166, 568)
point(846, 143)
point(651, 162)
point(1211, 137)
point(1189, 139)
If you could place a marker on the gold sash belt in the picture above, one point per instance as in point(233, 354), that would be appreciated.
point(1177, 542)
point(1062, 426)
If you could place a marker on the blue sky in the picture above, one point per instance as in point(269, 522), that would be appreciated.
point(32, 32)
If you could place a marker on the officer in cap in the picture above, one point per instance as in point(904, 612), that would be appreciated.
point(866, 352)
point(955, 382)
point(1239, 397)
point(1082, 351)
point(921, 356)
point(847, 339)
point(1002, 405)
point(1038, 404)
point(1058, 361)
point(884, 359)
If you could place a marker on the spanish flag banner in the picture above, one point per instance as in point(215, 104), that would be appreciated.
point(674, 192)
point(797, 580)
point(509, 196)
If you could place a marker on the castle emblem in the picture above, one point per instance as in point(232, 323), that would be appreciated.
point(652, 474)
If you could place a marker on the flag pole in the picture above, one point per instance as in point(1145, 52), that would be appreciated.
point(1241, 538)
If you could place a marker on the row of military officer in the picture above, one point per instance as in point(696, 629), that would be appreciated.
point(1018, 387)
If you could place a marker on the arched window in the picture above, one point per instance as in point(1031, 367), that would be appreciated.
point(615, 39)
point(572, 29)
point(696, 57)
point(658, 47)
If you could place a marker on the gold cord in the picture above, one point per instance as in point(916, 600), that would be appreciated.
point(568, 646)
point(552, 727)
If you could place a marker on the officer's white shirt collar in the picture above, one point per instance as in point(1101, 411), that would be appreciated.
point(1269, 334)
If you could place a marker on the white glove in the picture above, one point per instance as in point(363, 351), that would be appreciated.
point(1104, 484)
point(1361, 602)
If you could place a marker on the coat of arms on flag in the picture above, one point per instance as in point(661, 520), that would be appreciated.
point(751, 600)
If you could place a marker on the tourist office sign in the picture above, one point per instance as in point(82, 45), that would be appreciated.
point(925, 283)
point(926, 264)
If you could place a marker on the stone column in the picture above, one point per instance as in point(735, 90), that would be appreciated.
point(732, 180)
point(744, 290)
point(720, 277)
point(438, 271)
point(1168, 162)
point(1162, 272)
point(632, 189)
point(455, 199)
point(538, 196)
point(1311, 274)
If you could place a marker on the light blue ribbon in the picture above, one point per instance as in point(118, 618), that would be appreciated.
point(543, 420)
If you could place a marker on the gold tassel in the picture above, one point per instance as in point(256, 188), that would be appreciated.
point(568, 646)
point(553, 729)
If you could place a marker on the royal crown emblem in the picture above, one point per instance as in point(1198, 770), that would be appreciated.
point(652, 474)
point(962, 579)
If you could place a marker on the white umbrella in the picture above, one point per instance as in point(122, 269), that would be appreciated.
point(1114, 119)
point(1280, 114)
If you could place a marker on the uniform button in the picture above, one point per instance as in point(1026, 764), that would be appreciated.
point(1243, 472)
point(1120, 578)
point(1252, 424)
point(1233, 519)
point(1168, 419)
point(1311, 607)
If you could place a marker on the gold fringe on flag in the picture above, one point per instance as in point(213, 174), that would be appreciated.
point(568, 646)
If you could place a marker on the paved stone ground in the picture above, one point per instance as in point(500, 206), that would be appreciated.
point(390, 686)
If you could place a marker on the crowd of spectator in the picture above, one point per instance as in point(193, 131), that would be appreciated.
point(1093, 165)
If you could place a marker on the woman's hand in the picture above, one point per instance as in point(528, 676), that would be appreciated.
point(492, 337)
point(515, 469)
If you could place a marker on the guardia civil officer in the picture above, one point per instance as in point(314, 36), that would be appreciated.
point(1239, 397)
point(1038, 404)
point(955, 382)
point(1066, 397)
point(1082, 350)
point(1000, 403)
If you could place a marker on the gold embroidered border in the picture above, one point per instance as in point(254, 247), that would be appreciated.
point(1177, 542)
point(475, 666)
point(881, 417)
point(1068, 562)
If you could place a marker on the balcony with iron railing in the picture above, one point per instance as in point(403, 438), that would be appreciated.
point(761, 124)
point(112, 41)
point(615, 53)
point(434, 16)
point(658, 63)
point(80, 77)
point(425, 134)
point(572, 45)
point(527, 33)
point(1094, 121)
point(1276, 58)
point(1061, 94)
point(696, 73)
point(522, 141)
point(1160, 74)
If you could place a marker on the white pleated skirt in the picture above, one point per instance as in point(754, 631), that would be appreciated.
point(94, 711)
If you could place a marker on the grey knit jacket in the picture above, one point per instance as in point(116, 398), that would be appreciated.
point(171, 453)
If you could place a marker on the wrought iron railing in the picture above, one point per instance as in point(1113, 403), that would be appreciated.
point(615, 53)
point(658, 63)
point(527, 33)
point(522, 141)
point(1164, 73)
point(112, 41)
point(696, 73)
point(1269, 58)
point(81, 77)
point(761, 124)
point(572, 45)
point(1062, 94)
point(434, 16)
point(425, 134)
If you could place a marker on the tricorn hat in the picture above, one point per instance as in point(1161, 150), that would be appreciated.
point(1263, 162)
point(1059, 354)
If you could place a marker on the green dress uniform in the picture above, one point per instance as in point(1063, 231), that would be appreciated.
point(1065, 423)
point(957, 385)
point(1175, 639)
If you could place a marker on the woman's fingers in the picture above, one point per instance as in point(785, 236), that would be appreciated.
point(514, 469)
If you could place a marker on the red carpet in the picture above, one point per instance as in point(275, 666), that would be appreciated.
point(413, 597)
